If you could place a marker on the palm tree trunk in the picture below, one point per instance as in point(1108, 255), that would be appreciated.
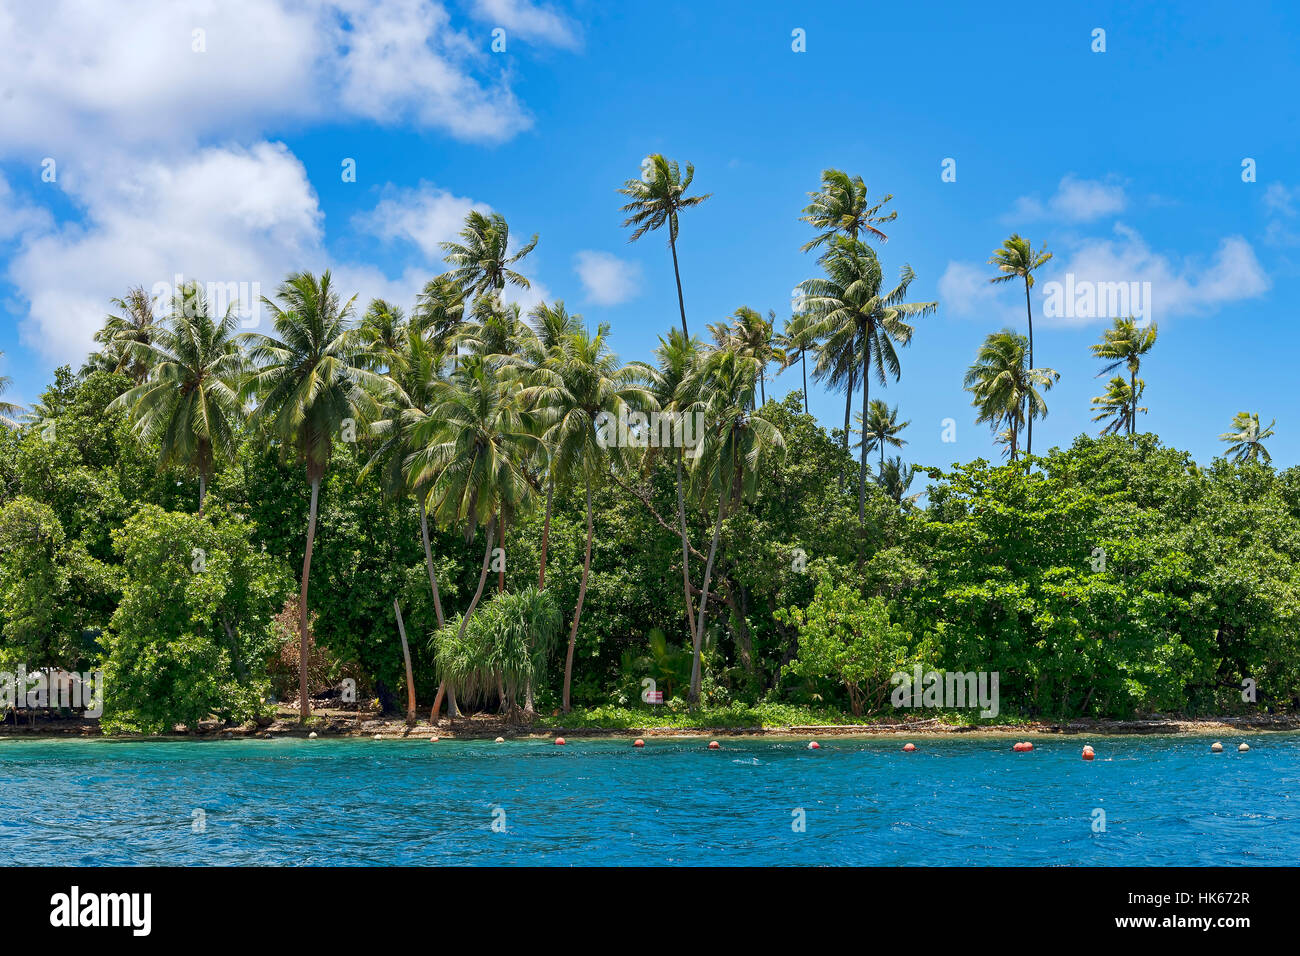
point(464, 623)
point(501, 576)
point(577, 611)
point(428, 560)
point(304, 708)
point(696, 677)
point(848, 410)
point(1132, 402)
point(862, 469)
point(803, 360)
point(546, 532)
point(686, 548)
point(762, 392)
point(203, 490)
point(406, 656)
point(681, 303)
point(1029, 310)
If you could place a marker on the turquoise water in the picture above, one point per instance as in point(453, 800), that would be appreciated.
point(1167, 800)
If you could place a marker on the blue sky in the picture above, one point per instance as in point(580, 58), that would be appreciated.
point(224, 163)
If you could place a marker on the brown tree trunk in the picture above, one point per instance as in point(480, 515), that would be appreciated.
point(696, 677)
point(577, 611)
point(304, 707)
point(1029, 450)
point(406, 656)
point(681, 303)
point(686, 550)
point(546, 533)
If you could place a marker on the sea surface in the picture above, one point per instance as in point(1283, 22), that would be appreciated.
point(757, 801)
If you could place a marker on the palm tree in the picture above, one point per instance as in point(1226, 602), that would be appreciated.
point(1016, 258)
point(1247, 438)
point(896, 478)
point(750, 334)
point(136, 325)
point(794, 344)
point(308, 381)
point(1119, 406)
point(190, 403)
point(881, 428)
point(383, 331)
point(840, 207)
point(1124, 343)
point(1006, 389)
point(580, 387)
point(8, 410)
point(860, 324)
point(738, 441)
point(481, 261)
point(439, 310)
point(656, 199)
point(470, 453)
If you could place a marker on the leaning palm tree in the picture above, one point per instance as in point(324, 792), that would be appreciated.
point(1124, 343)
point(655, 200)
point(737, 444)
point(582, 389)
point(1017, 259)
point(881, 428)
point(859, 322)
point(190, 403)
point(8, 410)
point(481, 261)
point(135, 325)
point(1247, 438)
point(1006, 389)
point(839, 208)
point(1118, 408)
point(308, 381)
point(470, 453)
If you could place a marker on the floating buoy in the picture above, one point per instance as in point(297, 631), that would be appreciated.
point(714, 745)
point(1243, 748)
point(312, 735)
point(501, 740)
point(1216, 748)
point(379, 737)
point(909, 748)
point(1087, 753)
point(814, 745)
point(559, 741)
point(1023, 747)
point(433, 740)
point(638, 742)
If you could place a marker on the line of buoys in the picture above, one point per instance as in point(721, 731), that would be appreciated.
point(714, 745)
point(909, 748)
point(1023, 747)
point(559, 741)
point(814, 745)
point(1216, 748)
point(1087, 752)
point(638, 742)
point(1243, 748)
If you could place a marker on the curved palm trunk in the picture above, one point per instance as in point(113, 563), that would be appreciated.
point(406, 656)
point(1029, 449)
point(452, 709)
point(546, 533)
point(577, 611)
point(681, 303)
point(464, 623)
point(696, 678)
point(686, 549)
point(304, 707)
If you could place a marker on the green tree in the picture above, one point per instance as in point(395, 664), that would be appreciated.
point(882, 428)
point(1247, 438)
point(1119, 406)
point(1124, 343)
point(840, 208)
point(481, 261)
point(1016, 259)
point(1006, 389)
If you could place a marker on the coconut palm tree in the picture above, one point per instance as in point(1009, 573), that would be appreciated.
point(1016, 259)
point(136, 325)
point(896, 478)
point(190, 403)
point(738, 442)
point(481, 261)
point(470, 452)
point(656, 198)
point(382, 331)
point(860, 323)
point(309, 381)
point(581, 390)
point(8, 410)
point(440, 311)
point(1124, 343)
point(1247, 438)
point(750, 334)
point(839, 208)
point(794, 343)
point(881, 428)
point(1006, 389)
point(1118, 407)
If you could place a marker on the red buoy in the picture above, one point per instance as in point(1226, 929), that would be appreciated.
point(714, 745)
point(814, 745)
point(638, 743)
point(1023, 747)
point(1087, 753)
point(559, 741)
point(909, 748)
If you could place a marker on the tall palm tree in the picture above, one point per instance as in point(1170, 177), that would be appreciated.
point(839, 208)
point(1006, 389)
point(382, 331)
point(656, 198)
point(859, 322)
point(1124, 343)
point(881, 428)
point(481, 261)
point(136, 325)
point(1247, 438)
point(1016, 259)
point(1119, 406)
point(439, 310)
point(750, 334)
point(795, 342)
point(470, 452)
point(8, 410)
point(581, 384)
point(738, 442)
point(308, 380)
point(190, 403)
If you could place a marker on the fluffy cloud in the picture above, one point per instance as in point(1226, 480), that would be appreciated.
point(426, 216)
point(531, 21)
point(1075, 200)
point(607, 279)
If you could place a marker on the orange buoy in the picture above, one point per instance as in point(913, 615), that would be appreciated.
point(638, 742)
point(714, 745)
point(909, 748)
point(1087, 752)
point(814, 745)
point(559, 741)
point(433, 740)
point(1023, 747)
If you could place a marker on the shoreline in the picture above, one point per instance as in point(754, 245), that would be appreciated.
point(356, 726)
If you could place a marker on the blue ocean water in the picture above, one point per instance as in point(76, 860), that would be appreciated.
point(1166, 800)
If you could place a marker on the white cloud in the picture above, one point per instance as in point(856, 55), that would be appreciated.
point(531, 21)
point(18, 216)
point(607, 279)
point(966, 292)
point(425, 216)
point(1075, 200)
